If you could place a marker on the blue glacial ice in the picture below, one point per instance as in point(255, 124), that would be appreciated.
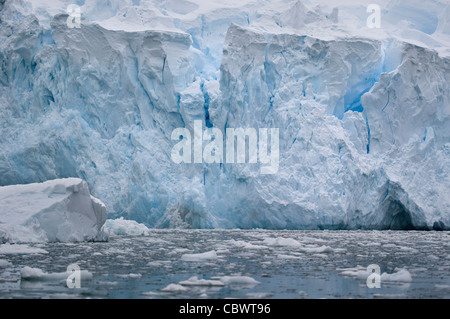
point(363, 115)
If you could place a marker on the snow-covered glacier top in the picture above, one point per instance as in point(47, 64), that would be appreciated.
point(362, 112)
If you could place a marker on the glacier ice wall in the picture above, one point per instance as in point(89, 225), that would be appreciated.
point(364, 120)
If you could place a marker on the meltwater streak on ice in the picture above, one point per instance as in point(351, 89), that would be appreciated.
point(235, 264)
point(363, 113)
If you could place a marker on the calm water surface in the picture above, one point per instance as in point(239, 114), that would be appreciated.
point(285, 264)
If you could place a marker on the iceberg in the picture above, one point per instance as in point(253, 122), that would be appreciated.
point(58, 210)
point(362, 113)
point(123, 227)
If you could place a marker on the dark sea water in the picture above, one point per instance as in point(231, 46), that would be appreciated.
point(260, 263)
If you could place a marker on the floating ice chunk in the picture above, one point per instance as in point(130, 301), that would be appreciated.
point(318, 250)
point(400, 275)
point(303, 293)
point(123, 227)
point(4, 263)
point(290, 242)
point(131, 275)
point(180, 250)
point(206, 256)
point(174, 288)
point(119, 251)
point(152, 294)
point(284, 256)
point(244, 244)
point(236, 280)
point(158, 263)
point(258, 295)
point(281, 241)
point(13, 249)
point(357, 272)
point(29, 273)
point(194, 281)
point(107, 283)
point(408, 249)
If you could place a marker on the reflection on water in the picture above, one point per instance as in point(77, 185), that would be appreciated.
point(261, 263)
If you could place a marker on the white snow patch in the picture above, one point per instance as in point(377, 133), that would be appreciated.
point(220, 281)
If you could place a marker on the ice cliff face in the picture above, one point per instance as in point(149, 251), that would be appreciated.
point(363, 117)
point(342, 168)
